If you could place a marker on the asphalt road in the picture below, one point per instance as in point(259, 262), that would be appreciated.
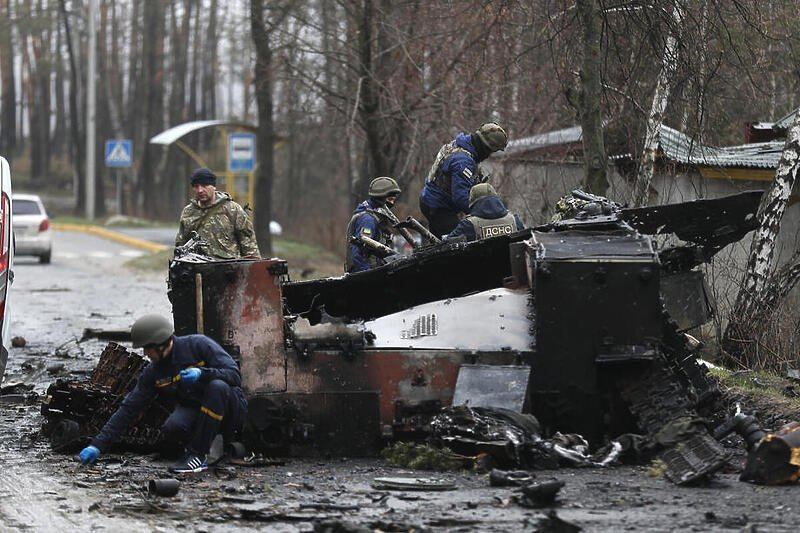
point(87, 286)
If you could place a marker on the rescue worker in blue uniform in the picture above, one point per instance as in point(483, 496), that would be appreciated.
point(199, 374)
point(488, 216)
point(444, 199)
point(367, 222)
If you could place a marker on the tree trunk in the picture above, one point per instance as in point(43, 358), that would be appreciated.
point(8, 103)
point(655, 119)
point(193, 88)
point(376, 150)
point(210, 65)
point(263, 77)
point(60, 129)
point(77, 146)
point(748, 314)
point(149, 198)
point(590, 99)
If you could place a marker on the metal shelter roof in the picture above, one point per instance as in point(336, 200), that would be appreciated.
point(785, 123)
point(683, 149)
point(543, 140)
point(675, 145)
point(173, 134)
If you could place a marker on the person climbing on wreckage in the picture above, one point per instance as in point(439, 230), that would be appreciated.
point(199, 374)
point(488, 217)
point(220, 223)
point(444, 200)
point(369, 233)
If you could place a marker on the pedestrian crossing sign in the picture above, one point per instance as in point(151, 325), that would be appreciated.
point(119, 152)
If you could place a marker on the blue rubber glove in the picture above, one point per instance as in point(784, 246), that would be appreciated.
point(190, 375)
point(89, 455)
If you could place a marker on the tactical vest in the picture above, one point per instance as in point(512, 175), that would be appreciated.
point(435, 174)
point(493, 227)
point(372, 259)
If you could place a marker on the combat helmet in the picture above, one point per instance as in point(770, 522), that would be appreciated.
point(479, 191)
point(151, 329)
point(383, 186)
point(493, 136)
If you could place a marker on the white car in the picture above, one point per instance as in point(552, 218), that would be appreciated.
point(6, 260)
point(32, 233)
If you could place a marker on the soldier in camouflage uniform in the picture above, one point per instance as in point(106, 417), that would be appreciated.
point(445, 198)
point(488, 216)
point(218, 220)
point(367, 221)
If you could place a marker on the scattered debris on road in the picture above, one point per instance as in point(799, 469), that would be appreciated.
point(540, 494)
point(116, 335)
point(75, 411)
point(775, 460)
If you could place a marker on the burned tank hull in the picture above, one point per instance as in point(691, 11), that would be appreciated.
point(338, 365)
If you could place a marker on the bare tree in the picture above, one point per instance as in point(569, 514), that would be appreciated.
point(756, 293)
point(659, 105)
point(8, 104)
point(588, 99)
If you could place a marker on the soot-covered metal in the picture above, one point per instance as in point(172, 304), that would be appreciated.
point(596, 314)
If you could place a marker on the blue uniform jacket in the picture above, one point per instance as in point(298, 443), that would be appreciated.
point(463, 172)
point(163, 378)
point(490, 207)
point(368, 225)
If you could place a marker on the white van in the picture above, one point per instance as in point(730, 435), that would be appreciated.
point(6, 260)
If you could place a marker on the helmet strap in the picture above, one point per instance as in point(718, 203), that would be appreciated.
point(481, 149)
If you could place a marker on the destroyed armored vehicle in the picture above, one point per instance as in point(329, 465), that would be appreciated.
point(587, 306)
point(579, 322)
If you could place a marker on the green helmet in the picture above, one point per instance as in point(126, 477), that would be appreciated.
point(383, 187)
point(493, 136)
point(479, 191)
point(151, 329)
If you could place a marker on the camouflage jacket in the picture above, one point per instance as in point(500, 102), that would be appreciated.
point(224, 225)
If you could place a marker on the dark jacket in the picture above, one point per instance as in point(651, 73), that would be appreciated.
point(359, 257)
point(462, 172)
point(163, 378)
point(488, 207)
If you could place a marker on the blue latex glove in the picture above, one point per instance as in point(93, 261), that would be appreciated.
point(89, 455)
point(190, 375)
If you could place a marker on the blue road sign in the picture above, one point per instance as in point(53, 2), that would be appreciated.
point(119, 153)
point(241, 152)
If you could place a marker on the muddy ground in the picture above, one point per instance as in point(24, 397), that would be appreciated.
point(86, 286)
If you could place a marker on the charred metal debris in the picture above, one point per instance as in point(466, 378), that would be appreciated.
point(76, 410)
point(588, 309)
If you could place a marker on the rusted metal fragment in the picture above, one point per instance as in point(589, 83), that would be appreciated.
point(116, 335)
point(408, 282)
point(242, 311)
point(711, 223)
point(776, 459)
point(75, 411)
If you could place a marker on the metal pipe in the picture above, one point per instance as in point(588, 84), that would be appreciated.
point(198, 300)
point(422, 230)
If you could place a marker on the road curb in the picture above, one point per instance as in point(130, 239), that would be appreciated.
point(116, 236)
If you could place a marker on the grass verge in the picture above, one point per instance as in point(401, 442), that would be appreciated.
point(775, 398)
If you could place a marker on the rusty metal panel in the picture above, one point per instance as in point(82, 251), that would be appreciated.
point(409, 376)
point(242, 309)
